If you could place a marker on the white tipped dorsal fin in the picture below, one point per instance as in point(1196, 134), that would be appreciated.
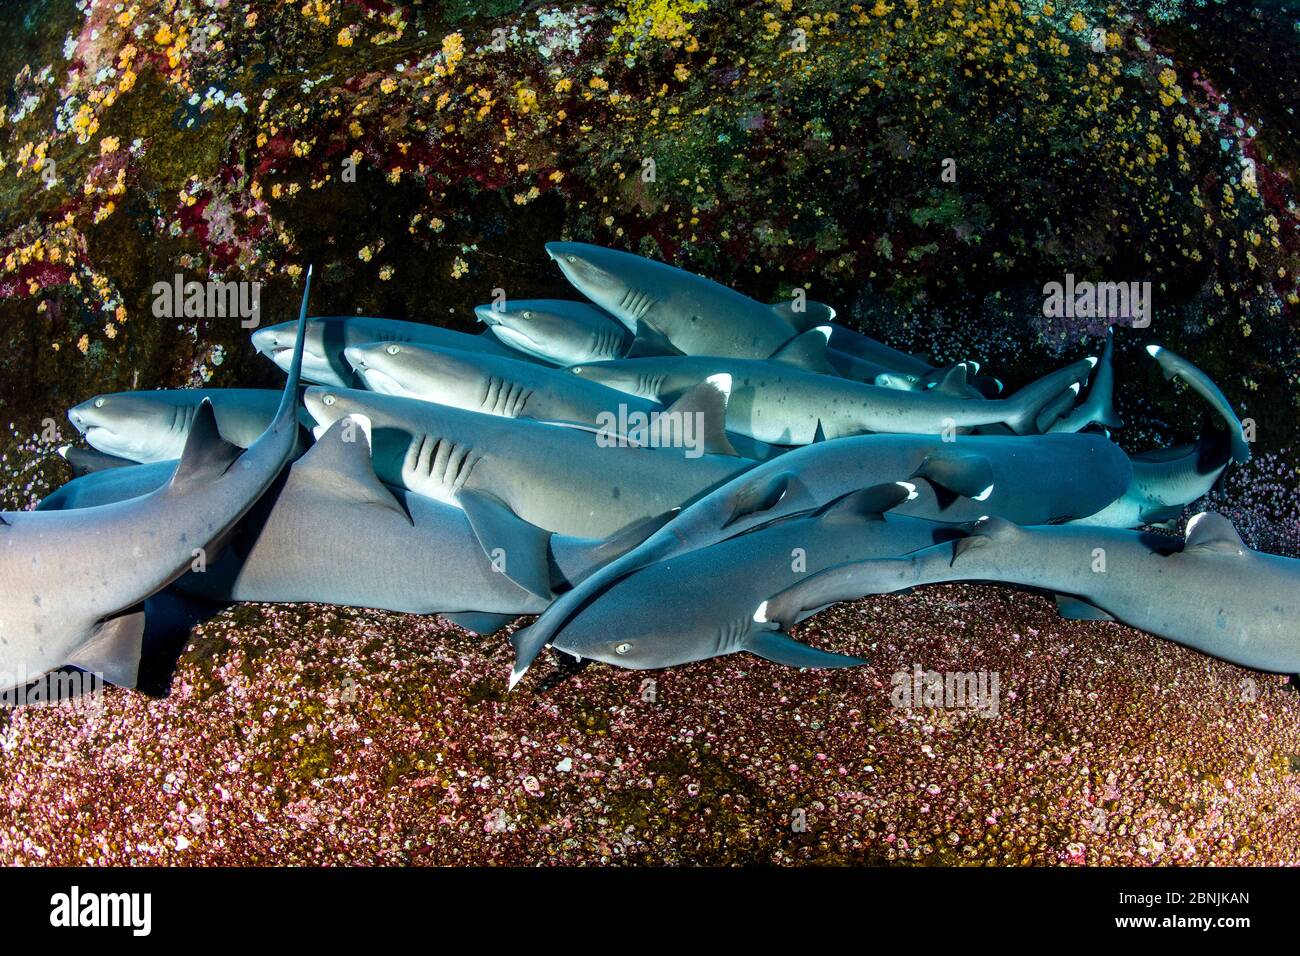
point(1208, 531)
point(807, 351)
point(811, 315)
point(708, 403)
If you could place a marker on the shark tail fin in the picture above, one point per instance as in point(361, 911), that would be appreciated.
point(1024, 407)
point(1099, 407)
point(1174, 365)
point(288, 410)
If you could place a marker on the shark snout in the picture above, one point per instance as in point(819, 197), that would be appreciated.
point(358, 355)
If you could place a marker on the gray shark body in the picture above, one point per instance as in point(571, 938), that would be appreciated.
point(480, 565)
point(779, 403)
point(152, 426)
point(557, 331)
point(328, 336)
point(1035, 479)
point(715, 589)
point(553, 476)
point(1208, 592)
point(500, 386)
point(672, 310)
point(73, 583)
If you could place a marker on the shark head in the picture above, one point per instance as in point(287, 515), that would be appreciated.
point(431, 374)
point(137, 426)
point(322, 358)
point(598, 273)
point(555, 330)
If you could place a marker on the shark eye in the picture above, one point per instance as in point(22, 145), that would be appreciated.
point(393, 349)
point(572, 258)
point(528, 313)
point(623, 648)
point(99, 403)
point(328, 399)
point(576, 370)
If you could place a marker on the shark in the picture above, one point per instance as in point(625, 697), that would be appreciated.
point(328, 336)
point(152, 426)
point(73, 584)
point(779, 402)
point(557, 331)
point(672, 311)
point(501, 386)
point(1033, 479)
point(1207, 591)
point(563, 479)
point(715, 588)
point(479, 565)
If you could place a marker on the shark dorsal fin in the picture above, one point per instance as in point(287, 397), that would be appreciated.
point(985, 531)
point(957, 473)
point(952, 382)
point(206, 455)
point(3, 522)
point(708, 400)
point(756, 495)
point(870, 503)
point(810, 316)
point(807, 351)
point(339, 465)
point(1208, 531)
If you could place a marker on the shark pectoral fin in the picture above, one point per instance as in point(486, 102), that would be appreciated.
point(480, 622)
point(85, 461)
point(706, 403)
point(114, 648)
point(1077, 609)
point(810, 316)
point(1157, 516)
point(207, 455)
point(1208, 531)
point(339, 464)
point(807, 351)
point(758, 495)
point(781, 649)
point(519, 550)
point(969, 476)
point(650, 341)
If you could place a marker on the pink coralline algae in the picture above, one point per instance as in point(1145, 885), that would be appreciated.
point(313, 735)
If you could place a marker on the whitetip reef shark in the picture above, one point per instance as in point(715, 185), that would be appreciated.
point(558, 331)
point(1208, 591)
point(329, 336)
point(73, 583)
point(714, 588)
point(554, 476)
point(1035, 479)
point(781, 401)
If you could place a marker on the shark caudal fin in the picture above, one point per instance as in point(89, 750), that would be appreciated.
point(1099, 407)
point(1024, 406)
point(1174, 365)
